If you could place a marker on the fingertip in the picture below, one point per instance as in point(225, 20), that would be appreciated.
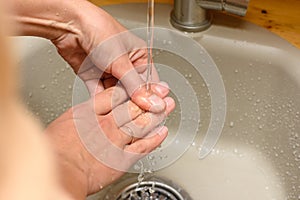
point(148, 101)
point(157, 104)
point(162, 131)
point(161, 89)
point(170, 104)
point(94, 86)
point(161, 134)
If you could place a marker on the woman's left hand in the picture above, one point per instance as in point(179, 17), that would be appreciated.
point(120, 130)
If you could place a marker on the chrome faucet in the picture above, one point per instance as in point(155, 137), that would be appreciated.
point(192, 15)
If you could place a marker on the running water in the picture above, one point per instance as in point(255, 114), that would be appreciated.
point(150, 24)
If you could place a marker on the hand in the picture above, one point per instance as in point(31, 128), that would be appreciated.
point(129, 134)
point(105, 46)
point(82, 31)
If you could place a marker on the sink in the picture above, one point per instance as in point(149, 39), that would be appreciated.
point(257, 155)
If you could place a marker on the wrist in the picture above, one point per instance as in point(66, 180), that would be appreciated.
point(73, 180)
point(71, 163)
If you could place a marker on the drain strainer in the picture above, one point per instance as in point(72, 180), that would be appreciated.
point(152, 190)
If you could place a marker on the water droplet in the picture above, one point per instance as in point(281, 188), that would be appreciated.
point(267, 188)
point(258, 118)
point(231, 124)
point(30, 94)
point(43, 86)
point(150, 157)
point(141, 177)
point(235, 150)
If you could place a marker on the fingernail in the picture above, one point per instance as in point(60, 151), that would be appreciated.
point(169, 101)
point(162, 88)
point(162, 131)
point(157, 104)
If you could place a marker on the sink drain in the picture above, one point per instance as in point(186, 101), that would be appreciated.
point(152, 190)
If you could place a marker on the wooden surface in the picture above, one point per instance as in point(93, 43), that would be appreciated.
point(279, 16)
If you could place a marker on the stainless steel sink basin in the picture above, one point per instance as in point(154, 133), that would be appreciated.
point(258, 153)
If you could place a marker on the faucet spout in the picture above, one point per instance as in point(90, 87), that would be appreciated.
point(192, 15)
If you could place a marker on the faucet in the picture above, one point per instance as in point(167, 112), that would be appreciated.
point(192, 15)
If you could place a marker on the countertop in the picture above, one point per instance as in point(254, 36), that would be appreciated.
point(281, 17)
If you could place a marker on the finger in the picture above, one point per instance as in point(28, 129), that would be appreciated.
point(114, 59)
point(147, 145)
point(123, 70)
point(128, 111)
point(146, 122)
point(91, 76)
point(94, 86)
point(148, 100)
point(88, 70)
point(139, 56)
point(125, 113)
point(161, 89)
point(139, 60)
point(110, 53)
point(142, 70)
point(105, 101)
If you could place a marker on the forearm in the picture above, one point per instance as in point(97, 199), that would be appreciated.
point(45, 18)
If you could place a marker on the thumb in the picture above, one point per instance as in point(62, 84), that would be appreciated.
point(135, 86)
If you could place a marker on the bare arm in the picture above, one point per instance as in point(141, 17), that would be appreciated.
point(78, 29)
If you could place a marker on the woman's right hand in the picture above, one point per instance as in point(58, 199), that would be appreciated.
point(92, 42)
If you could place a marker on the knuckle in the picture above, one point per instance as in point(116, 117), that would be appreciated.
point(105, 123)
point(109, 92)
point(143, 121)
point(134, 109)
point(141, 148)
